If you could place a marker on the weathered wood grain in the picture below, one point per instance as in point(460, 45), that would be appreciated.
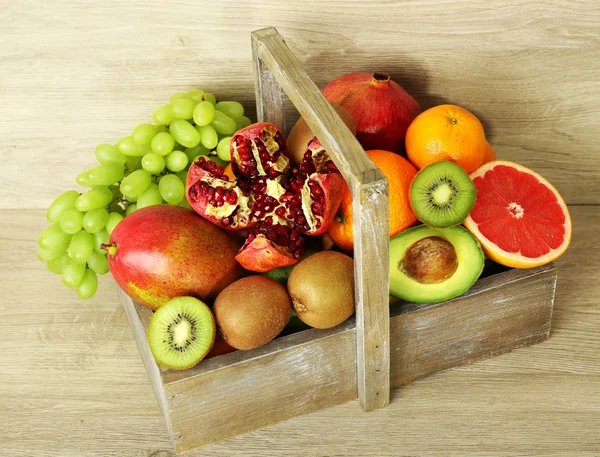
point(369, 201)
point(239, 392)
point(72, 382)
point(75, 74)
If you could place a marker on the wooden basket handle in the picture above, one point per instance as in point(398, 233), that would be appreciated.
point(277, 71)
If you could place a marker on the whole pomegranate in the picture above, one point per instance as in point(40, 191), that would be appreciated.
point(276, 203)
point(381, 108)
point(164, 251)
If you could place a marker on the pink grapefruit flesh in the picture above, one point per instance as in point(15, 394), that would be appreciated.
point(519, 218)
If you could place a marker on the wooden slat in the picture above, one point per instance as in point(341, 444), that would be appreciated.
point(528, 69)
point(369, 201)
point(308, 371)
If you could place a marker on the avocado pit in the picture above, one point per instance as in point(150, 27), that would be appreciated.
point(430, 260)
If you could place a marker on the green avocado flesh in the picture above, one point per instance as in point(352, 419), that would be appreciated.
point(468, 263)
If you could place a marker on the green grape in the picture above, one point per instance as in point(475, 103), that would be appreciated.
point(231, 109)
point(183, 108)
point(128, 147)
point(162, 143)
point(192, 153)
point(177, 96)
point(130, 209)
point(88, 285)
point(218, 161)
point(97, 198)
point(81, 246)
point(100, 238)
point(83, 179)
point(185, 133)
point(113, 220)
point(208, 136)
point(184, 204)
point(161, 128)
point(182, 175)
point(104, 175)
point(223, 149)
point(72, 273)
point(195, 94)
point(135, 183)
point(210, 97)
point(130, 198)
point(153, 163)
point(46, 255)
point(98, 263)
point(54, 239)
point(242, 122)
point(133, 163)
point(171, 189)
point(56, 265)
point(108, 154)
point(63, 202)
point(163, 115)
point(176, 161)
point(71, 221)
point(143, 134)
point(204, 113)
point(150, 197)
point(95, 220)
point(223, 124)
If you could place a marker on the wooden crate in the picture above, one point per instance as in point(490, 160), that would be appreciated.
point(382, 346)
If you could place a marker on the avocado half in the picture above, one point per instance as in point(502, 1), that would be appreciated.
point(429, 265)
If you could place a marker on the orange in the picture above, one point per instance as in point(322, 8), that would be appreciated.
point(489, 154)
point(229, 172)
point(399, 173)
point(519, 218)
point(446, 132)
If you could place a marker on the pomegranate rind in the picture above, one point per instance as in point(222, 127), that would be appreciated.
point(516, 259)
point(333, 186)
point(262, 255)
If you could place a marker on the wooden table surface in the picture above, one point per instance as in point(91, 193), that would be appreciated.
point(74, 74)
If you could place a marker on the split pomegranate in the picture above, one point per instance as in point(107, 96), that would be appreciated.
point(276, 203)
point(381, 108)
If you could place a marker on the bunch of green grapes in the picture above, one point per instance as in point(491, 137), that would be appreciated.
point(148, 167)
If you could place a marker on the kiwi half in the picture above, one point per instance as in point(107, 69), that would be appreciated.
point(442, 194)
point(181, 332)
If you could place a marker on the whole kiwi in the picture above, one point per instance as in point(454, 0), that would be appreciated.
point(301, 134)
point(322, 289)
point(252, 311)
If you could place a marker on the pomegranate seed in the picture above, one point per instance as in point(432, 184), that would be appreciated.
point(317, 192)
point(227, 221)
point(280, 211)
point(300, 220)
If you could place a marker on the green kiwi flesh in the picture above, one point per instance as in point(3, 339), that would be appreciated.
point(181, 332)
point(442, 194)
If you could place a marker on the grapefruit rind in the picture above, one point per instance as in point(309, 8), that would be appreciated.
point(516, 260)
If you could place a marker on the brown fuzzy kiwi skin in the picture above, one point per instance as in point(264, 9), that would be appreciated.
point(322, 289)
point(252, 311)
point(301, 134)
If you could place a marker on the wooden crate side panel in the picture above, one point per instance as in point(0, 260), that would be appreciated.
point(243, 397)
point(472, 328)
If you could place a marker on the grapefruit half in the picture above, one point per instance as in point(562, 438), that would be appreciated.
point(519, 218)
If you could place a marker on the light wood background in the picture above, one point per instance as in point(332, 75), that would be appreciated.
point(77, 73)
